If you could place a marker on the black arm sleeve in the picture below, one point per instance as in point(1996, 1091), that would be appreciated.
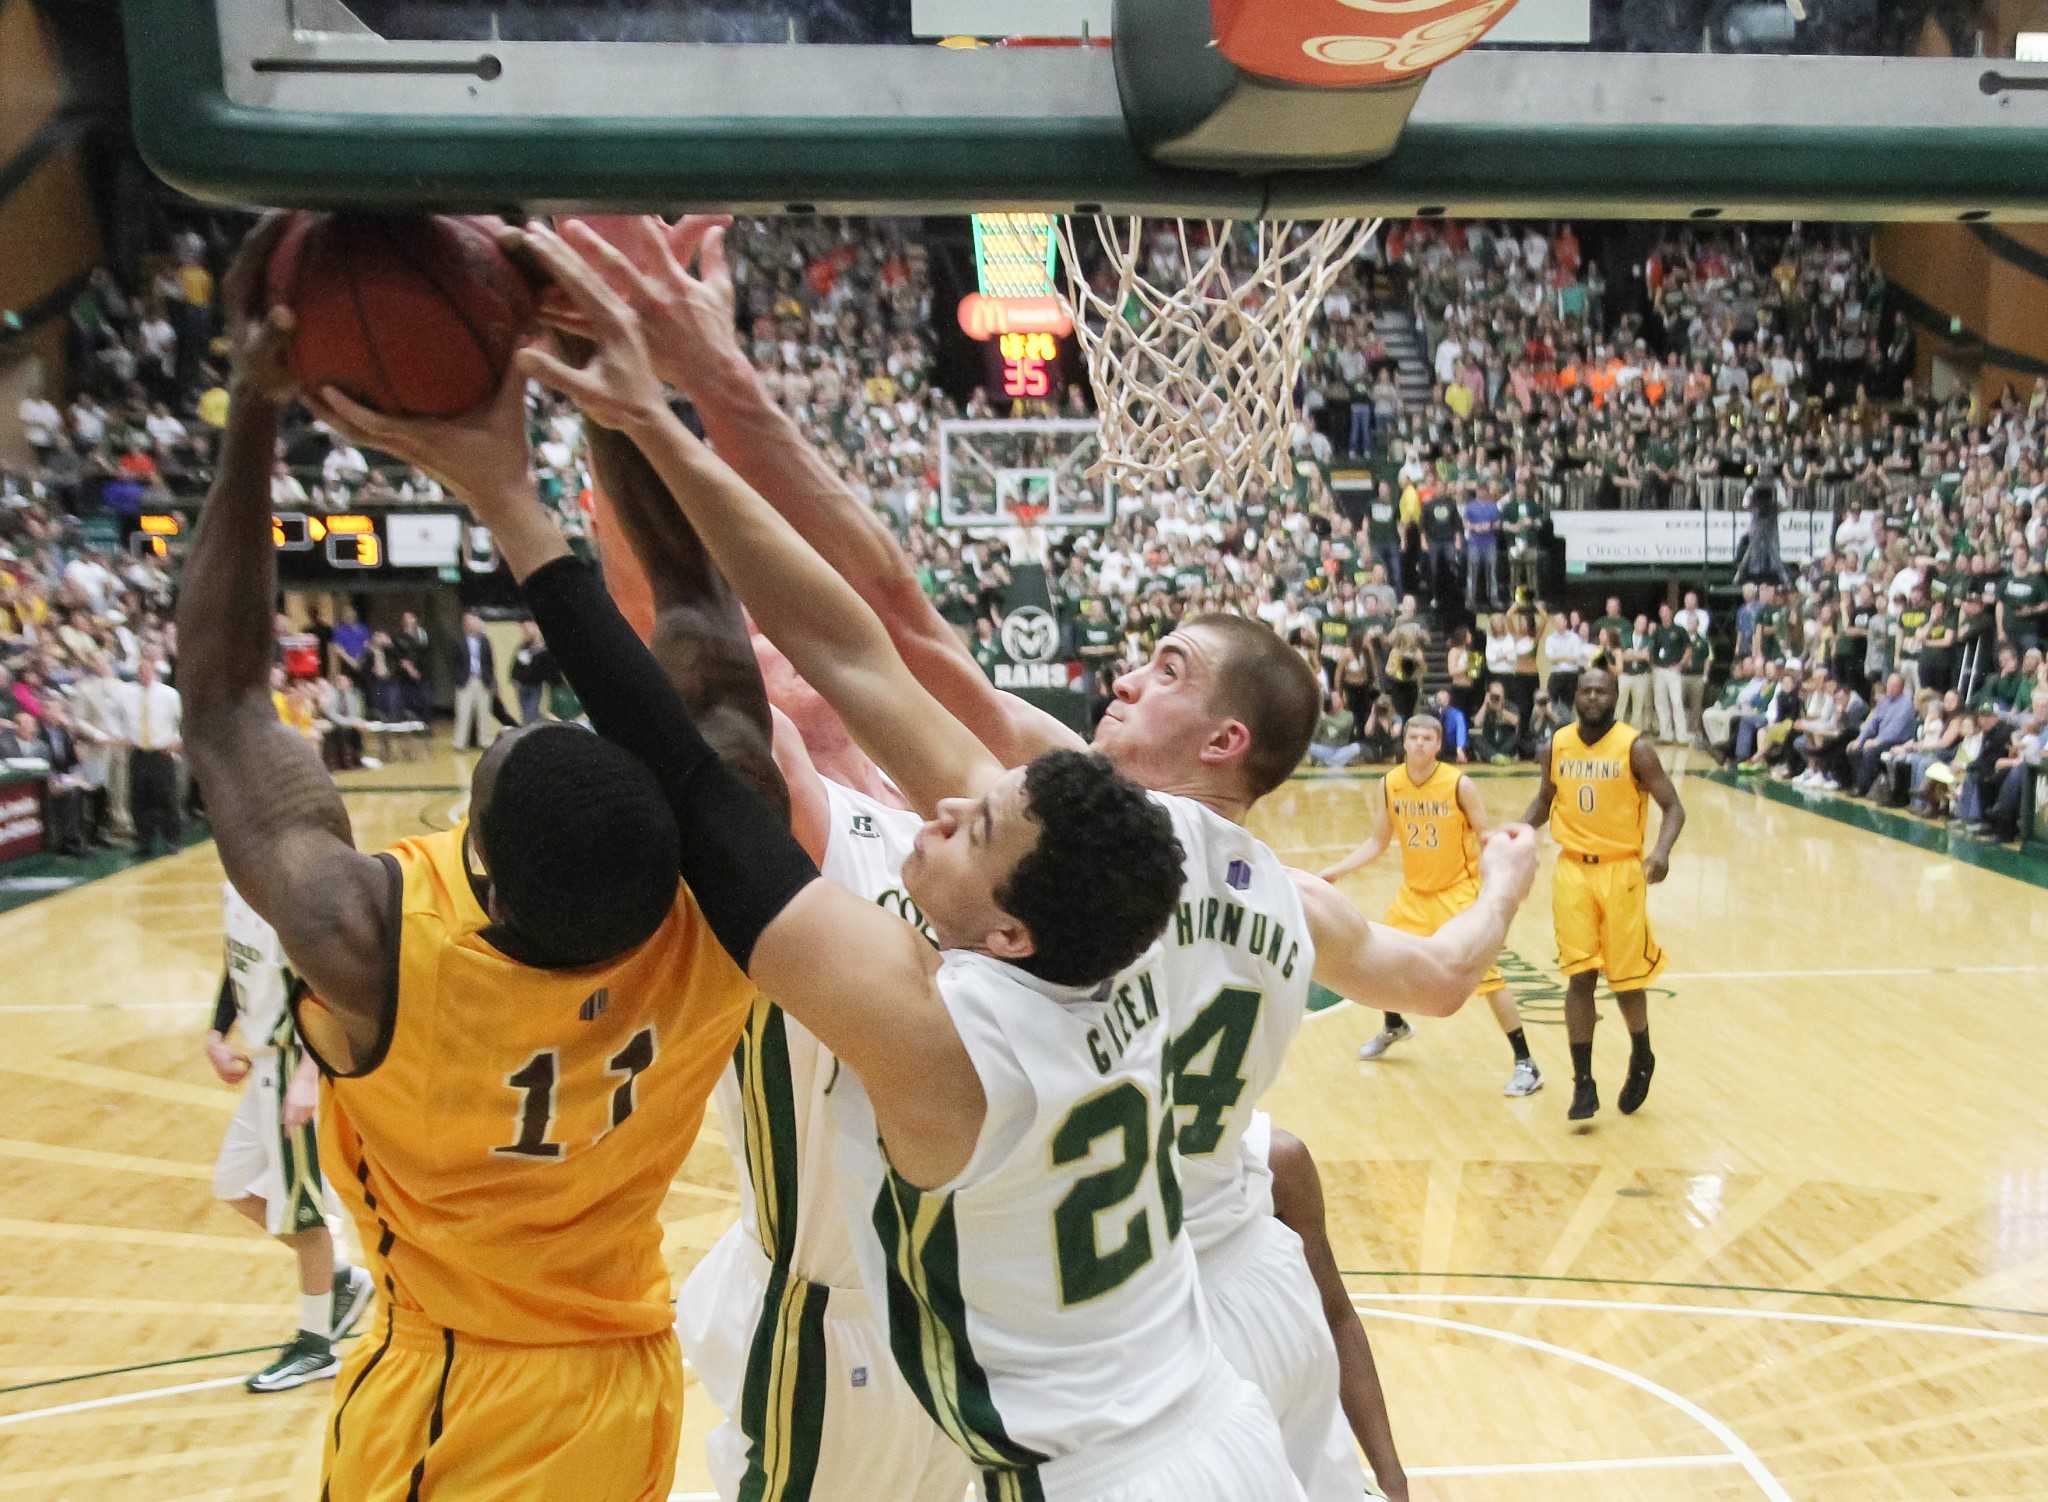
point(224, 1005)
point(741, 862)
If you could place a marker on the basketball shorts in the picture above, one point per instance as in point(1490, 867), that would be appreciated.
point(1268, 1318)
point(1423, 913)
point(420, 1411)
point(1222, 1445)
point(815, 1409)
point(260, 1156)
point(1603, 921)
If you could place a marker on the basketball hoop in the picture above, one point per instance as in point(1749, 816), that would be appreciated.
point(1194, 373)
point(1027, 515)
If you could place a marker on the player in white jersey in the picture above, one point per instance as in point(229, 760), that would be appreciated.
point(1043, 1301)
point(1238, 957)
point(774, 1319)
point(1041, 883)
point(269, 1167)
point(1217, 714)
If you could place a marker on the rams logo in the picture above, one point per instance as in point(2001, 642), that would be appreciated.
point(1030, 635)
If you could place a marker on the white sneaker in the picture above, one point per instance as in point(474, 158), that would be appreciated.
point(1829, 785)
point(1384, 1039)
point(1526, 1080)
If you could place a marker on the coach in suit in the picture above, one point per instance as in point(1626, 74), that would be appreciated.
point(473, 667)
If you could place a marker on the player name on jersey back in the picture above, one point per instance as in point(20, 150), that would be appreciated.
point(1234, 975)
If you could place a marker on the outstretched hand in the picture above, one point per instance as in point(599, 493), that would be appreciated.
point(686, 307)
point(600, 300)
point(482, 456)
point(259, 337)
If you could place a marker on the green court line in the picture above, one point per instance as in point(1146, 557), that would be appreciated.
point(152, 1366)
point(1801, 1293)
point(87, 868)
point(2002, 860)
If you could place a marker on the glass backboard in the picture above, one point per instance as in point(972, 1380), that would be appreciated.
point(1597, 108)
point(988, 469)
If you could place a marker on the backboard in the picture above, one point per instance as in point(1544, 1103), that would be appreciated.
point(987, 469)
point(1162, 106)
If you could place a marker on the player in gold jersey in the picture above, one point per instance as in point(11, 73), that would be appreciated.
point(1599, 778)
point(520, 1020)
point(1432, 811)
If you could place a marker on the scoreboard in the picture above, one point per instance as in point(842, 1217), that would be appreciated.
point(1017, 315)
point(313, 546)
point(1025, 366)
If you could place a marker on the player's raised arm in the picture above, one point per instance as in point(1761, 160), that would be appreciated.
point(1298, 1202)
point(1650, 773)
point(1374, 843)
point(1376, 966)
point(700, 637)
point(829, 634)
point(1538, 813)
point(686, 307)
point(283, 833)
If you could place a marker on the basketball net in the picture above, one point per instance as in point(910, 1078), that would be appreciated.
point(1194, 372)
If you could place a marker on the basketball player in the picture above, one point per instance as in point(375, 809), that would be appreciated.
point(269, 1166)
point(1247, 936)
point(790, 1256)
point(1598, 780)
point(1047, 1319)
point(1439, 819)
point(773, 1319)
point(520, 1020)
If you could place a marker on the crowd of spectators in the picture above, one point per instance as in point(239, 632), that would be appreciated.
point(1764, 364)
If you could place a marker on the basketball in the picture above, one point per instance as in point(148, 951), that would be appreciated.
point(415, 316)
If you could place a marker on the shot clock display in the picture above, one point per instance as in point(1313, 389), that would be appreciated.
point(1027, 366)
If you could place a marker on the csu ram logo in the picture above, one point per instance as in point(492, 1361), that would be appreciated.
point(1030, 635)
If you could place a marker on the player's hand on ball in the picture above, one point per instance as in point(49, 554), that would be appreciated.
point(616, 386)
point(688, 308)
point(259, 337)
point(1507, 860)
point(231, 1066)
point(482, 456)
point(1655, 869)
point(301, 1098)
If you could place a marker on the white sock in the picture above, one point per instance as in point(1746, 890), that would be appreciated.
point(316, 1313)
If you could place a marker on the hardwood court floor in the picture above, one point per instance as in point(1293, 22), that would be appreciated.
point(1814, 1267)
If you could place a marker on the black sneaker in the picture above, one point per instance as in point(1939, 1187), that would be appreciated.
point(1585, 1099)
point(306, 1359)
point(352, 1291)
point(1637, 1088)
